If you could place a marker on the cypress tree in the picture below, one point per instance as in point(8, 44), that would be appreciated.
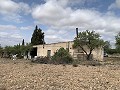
point(23, 43)
point(37, 37)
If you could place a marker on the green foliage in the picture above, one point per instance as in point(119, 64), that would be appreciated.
point(17, 49)
point(107, 47)
point(112, 51)
point(37, 37)
point(88, 39)
point(62, 56)
point(117, 38)
point(1, 50)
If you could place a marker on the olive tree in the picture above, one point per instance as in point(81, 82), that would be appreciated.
point(88, 39)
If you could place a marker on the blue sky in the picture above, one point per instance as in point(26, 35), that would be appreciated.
point(58, 19)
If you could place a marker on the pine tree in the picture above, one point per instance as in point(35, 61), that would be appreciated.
point(37, 37)
point(23, 43)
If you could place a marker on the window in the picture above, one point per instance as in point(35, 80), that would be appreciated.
point(48, 53)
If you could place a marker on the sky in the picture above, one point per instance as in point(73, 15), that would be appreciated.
point(58, 19)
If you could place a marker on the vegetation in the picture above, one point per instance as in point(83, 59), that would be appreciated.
point(117, 38)
point(37, 37)
point(116, 50)
point(107, 47)
point(62, 56)
point(23, 43)
point(88, 39)
point(20, 50)
point(1, 50)
point(42, 60)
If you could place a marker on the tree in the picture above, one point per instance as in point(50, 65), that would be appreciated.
point(117, 38)
point(107, 47)
point(1, 49)
point(88, 39)
point(37, 37)
point(23, 43)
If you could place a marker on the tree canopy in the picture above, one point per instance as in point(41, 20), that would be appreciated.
point(88, 39)
point(23, 43)
point(117, 38)
point(37, 37)
point(107, 47)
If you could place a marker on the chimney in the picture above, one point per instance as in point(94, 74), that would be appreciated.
point(77, 32)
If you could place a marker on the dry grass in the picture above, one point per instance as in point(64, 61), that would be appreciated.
point(23, 75)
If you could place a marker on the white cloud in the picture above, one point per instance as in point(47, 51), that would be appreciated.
point(58, 15)
point(12, 35)
point(3, 34)
point(11, 10)
point(114, 5)
point(8, 7)
point(17, 36)
point(26, 28)
point(49, 13)
point(24, 8)
point(8, 27)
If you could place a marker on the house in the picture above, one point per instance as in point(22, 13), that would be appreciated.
point(50, 49)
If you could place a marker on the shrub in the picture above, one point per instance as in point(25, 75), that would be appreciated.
point(43, 60)
point(62, 57)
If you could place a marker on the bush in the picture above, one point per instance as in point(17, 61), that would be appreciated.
point(42, 60)
point(62, 57)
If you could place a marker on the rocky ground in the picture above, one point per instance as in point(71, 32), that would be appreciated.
point(23, 75)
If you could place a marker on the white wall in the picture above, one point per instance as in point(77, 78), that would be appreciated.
point(42, 49)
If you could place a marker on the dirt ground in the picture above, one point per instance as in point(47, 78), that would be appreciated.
point(23, 75)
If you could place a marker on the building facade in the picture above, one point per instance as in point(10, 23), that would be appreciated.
point(50, 49)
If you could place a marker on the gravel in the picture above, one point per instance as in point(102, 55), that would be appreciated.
point(23, 75)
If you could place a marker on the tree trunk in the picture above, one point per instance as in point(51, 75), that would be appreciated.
point(88, 56)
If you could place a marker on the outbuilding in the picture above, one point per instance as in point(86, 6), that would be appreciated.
point(49, 50)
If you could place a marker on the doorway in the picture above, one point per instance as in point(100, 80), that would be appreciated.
point(33, 52)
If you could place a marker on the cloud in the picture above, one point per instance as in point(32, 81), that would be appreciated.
point(12, 35)
point(26, 28)
point(8, 7)
point(61, 19)
point(3, 34)
point(17, 36)
point(23, 7)
point(115, 5)
point(49, 13)
point(11, 10)
point(7, 27)
point(58, 15)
